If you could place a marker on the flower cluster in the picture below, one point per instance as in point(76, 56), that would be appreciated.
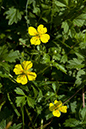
point(24, 73)
point(57, 108)
point(38, 35)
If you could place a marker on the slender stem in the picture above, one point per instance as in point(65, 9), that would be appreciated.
point(43, 70)
point(72, 95)
point(62, 43)
point(45, 124)
point(83, 97)
point(41, 123)
point(22, 110)
point(15, 109)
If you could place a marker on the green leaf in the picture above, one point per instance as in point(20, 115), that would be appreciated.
point(79, 76)
point(3, 124)
point(12, 56)
point(35, 91)
point(60, 4)
point(64, 59)
point(31, 102)
point(65, 26)
point(75, 63)
point(19, 91)
point(14, 15)
point(59, 67)
point(46, 59)
point(79, 21)
point(73, 106)
point(83, 114)
point(71, 122)
point(20, 100)
point(18, 126)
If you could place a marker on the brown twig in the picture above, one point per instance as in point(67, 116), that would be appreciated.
point(45, 124)
point(72, 95)
point(83, 97)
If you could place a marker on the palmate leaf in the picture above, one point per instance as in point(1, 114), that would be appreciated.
point(75, 63)
point(71, 122)
point(18, 126)
point(30, 102)
point(14, 15)
point(79, 21)
point(20, 100)
point(12, 56)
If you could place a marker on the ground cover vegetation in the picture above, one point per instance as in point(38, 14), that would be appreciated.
point(42, 64)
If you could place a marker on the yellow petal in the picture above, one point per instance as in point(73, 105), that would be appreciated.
point(56, 113)
point(35, 40)
point(32, 31)
point(22, 79)
point(44, 38)
point(27, 65)
point(41, 29)
point(57, 103)
point(51, 107)
point(18, 69)
point(63, 109)
point(31, 76)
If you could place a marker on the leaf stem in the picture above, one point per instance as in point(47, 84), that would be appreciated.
point(15, 109)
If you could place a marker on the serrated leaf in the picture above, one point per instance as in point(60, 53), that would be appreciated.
point(75, 63)
point(35, 91)
point(20, 100)
point(14, 15)
point(18, 126)
point(79, 21)
point(60, 4)
point(73, 106)
point(3, 124)
point(31, 102)
point(59, 67)
point(83, 114)
point(19, 91)
point(46, 59)
point(71, 122)
point(65, 26)
point(12, 56)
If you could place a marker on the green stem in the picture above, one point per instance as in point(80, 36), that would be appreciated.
point(22, 111)
point(41, 124)
point(13, 106)
point(43, 70)
point(62, 43)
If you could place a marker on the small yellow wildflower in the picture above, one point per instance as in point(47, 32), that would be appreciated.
point(38, 35)
point(57, 108)
point(24, 73)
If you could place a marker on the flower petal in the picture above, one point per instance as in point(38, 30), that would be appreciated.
point(58, 103)
point(51, 107)
point(63, 109)
point(32, 31)
point(57, 113)
point(41, 29)
point(18, 69)
point(35, 40)
point(44, 38)
point(22, 79)
point(27, 65)
point(31, 76)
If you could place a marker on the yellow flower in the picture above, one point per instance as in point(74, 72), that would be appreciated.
point(24, 73)
point(57, 108)
point(38, 35)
